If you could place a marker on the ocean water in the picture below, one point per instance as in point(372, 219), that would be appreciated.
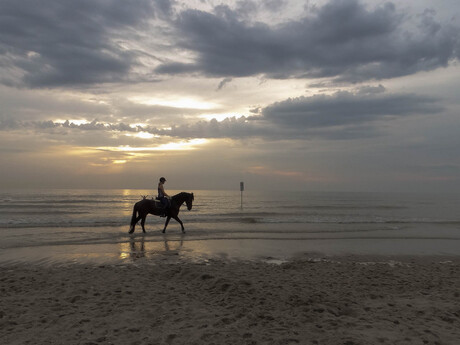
point(94, 223)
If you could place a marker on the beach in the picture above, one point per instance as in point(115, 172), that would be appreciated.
point(241, 172)
point(306, 268)
point(307, 300)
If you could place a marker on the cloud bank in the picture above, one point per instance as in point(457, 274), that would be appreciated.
point(345, 108)
point(343, 115)
point(67, 43)
point(70, 44)
point(343, 39)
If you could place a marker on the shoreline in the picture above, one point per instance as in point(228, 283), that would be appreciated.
point(307, 300)
point(125, 249)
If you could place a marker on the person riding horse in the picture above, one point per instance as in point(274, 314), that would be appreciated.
point(149, 206)
point(163, 196)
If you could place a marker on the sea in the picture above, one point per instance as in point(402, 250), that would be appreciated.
point(76, 226)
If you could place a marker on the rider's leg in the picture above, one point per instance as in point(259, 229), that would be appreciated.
point(164, 204)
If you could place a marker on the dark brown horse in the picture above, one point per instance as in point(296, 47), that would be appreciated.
point(144, 207)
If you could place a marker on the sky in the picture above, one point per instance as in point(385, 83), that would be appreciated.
point(338, 95)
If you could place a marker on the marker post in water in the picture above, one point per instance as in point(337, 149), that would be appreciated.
point(241, 189)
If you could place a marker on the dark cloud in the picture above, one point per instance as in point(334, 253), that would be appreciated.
point(68, 43)
point(223, 83)
point(65, 42)
point(343, 39)
point(345, 108)
point(369, 89)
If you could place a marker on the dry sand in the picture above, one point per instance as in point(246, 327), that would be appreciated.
point(217, 302)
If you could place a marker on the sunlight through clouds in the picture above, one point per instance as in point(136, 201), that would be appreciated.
point(171, 146)
point(72, 122)
point(186, 103)
point(142, 135)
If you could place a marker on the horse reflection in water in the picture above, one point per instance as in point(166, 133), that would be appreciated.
point(138, 249)
point(135, 251)
point(145, 206)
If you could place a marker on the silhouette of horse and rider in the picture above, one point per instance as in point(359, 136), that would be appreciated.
point(163, 206)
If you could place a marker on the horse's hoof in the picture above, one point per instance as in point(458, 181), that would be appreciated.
point(163, 232)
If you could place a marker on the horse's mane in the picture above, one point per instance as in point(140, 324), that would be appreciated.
point(182, 194)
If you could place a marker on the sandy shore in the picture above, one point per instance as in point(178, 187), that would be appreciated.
point(353, 301)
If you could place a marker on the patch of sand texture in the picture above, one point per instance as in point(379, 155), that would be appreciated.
point(299, 302)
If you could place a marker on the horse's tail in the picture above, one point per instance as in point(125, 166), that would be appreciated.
point(133, 218)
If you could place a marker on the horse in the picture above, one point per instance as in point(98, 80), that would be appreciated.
point(142, 208)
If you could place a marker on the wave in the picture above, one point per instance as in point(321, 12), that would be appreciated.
point(342, 207)
point(101, 222)
point(68, 224)
point(41, 211)
point(53, 202)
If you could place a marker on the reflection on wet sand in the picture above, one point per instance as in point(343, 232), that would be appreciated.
point(138, 248)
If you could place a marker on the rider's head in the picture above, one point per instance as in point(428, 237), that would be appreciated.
point(162, 179)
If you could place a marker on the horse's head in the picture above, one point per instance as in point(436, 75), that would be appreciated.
point(189, 201)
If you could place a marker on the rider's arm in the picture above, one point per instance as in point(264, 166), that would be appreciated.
point(163, 190)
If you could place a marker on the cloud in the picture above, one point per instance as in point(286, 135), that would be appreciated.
point(341, 116)
point(342, 39)
point(223, 83)
point(62, 43)
point(11, 124)
point(68, 44)
point(346, 108)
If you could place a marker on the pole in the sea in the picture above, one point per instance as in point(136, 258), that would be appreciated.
point(241, 189)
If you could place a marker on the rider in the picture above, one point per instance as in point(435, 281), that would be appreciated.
point(163, 196)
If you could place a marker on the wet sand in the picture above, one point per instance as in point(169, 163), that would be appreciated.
point(343, 300)
point(109, 245)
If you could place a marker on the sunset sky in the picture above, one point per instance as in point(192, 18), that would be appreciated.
point(341, 95)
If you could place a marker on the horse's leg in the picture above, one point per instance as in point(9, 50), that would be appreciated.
point(166, 223)
point(133, 225)
point(143, 222)
point(133, 218)
point(180, 222)
point(131, 228)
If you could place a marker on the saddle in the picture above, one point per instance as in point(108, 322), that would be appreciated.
point(159, 205)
